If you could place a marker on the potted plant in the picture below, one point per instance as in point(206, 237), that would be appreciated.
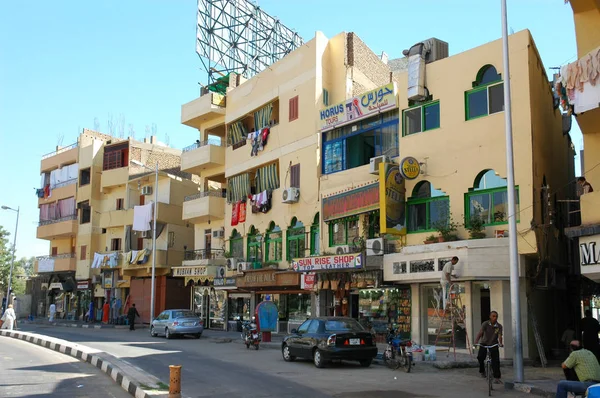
point(446, 227)
point(476, 227)
point(430, 239)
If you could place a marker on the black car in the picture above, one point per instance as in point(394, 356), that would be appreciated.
point(324, 339)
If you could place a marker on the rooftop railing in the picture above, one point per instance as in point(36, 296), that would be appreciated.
point(60, 150)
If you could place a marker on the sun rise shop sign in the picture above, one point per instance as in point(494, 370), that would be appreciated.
point(324, 263)
point(349, 203)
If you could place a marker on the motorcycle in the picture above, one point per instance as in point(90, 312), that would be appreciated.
point(397, 352)
point(250, 334)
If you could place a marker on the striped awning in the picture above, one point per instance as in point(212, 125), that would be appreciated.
point(267, 178)
point(236, 133)
point(238, 188)
point(262, 117)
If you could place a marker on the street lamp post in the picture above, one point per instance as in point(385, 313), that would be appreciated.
point(512, 216)
point(153, 278)
point(12, 260)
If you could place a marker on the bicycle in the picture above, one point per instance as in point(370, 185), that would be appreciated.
point(488, 366)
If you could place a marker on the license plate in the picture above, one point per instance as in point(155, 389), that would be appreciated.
point(255, 336)
point(354, 341)
point(188, 324)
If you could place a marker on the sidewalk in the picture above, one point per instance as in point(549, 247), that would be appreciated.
point(77, 324)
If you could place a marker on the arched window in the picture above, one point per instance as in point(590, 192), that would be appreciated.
point(236, 244)
point(488, 199)
point(273, 243)
point(487, 95)
point(254, 246)
point(315, 236)
point(427, 207)
point(296, 239)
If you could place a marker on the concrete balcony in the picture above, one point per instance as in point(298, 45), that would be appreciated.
point(59, 263)
point(204, 257)
point(202, 156)
point(204, 206)
point(62, 227)
point(114, 177)
point(479, 258)
point(204, 109)
point(63, 155)
point(590, 211)
point(165, 259)
point(167, 213)
point(67, 189)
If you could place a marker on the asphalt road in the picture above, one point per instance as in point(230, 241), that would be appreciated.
point(28, 370)
point(213, 369)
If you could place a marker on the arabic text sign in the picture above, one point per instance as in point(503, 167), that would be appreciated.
point(322, 263)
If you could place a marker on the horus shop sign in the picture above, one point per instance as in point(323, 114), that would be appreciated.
point(323, 263)
point(589, 250)
point(392, 204)
point(356, 201)
point(189, 271)
point(358, 107)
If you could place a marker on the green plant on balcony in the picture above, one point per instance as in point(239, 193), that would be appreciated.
point(446, 227)
point(227, 254)
point(476, 227)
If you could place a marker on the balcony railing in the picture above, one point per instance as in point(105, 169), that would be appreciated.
point(203, 254)
point(216, 194)
point(199, 144)
point(61, 150)
point(62, 255)
point(64, 183)
point(66, 218)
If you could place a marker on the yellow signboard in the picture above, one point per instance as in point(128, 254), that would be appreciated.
point(410, 168)
point(392, 209)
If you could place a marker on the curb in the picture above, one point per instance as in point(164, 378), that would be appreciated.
point(528, 389)
point(80, 325)
point(68, 349)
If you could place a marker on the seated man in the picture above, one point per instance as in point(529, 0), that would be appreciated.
point(586, 368)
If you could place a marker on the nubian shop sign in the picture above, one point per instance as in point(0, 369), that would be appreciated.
point(392, 209)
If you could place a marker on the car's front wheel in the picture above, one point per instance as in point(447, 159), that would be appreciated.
point(287, 356)
point(365, 363)
point(152, 331)
point(198, 335)
point(318, 359)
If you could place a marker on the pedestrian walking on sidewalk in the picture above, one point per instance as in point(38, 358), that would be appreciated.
point(586, 368)
point(105, 312)
point(131, 314)
point(9, 318)
point(52, 312)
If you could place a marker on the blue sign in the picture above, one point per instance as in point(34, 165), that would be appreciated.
point(267, 316)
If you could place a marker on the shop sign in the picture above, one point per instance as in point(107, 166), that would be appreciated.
point(323, 263)
point(392, 209)
point(108, 280)
point(83, 285)
point(226, 282)
point(190, 271)
point(257, 279)
point(308, 281)
point(358, 107)
point(589, 251)
point(410, 168)
point(356, 201)
point(286, 279)
point(56, 285)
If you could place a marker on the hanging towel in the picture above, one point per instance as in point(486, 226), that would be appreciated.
point(242, 212)
point(261, 198)
point(112, 260)
point(140, 255)
point(134, 254)
point(587, 99)
point(142, 215)
point(235, 214)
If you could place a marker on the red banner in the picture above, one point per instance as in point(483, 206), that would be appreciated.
point(356, 201)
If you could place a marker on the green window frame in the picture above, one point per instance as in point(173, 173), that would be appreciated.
point(427, 115)
point(347, 225)
point(374, 226)
point(274, 240)
point(295, 240)
point(236, 245)
point(411, 209)
point(315, 236)
point(495, 217)
point(254, 246)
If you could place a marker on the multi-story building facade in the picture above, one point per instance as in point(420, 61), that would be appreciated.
point(320, 246)
point(583, 97)
point(90, 225)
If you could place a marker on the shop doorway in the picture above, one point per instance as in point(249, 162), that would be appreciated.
point(485, 303)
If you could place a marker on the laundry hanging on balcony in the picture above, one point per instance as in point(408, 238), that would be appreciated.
point(236, 133)
point(258, 140)
point(235, 213)
point(64, 174)
point(142, 215)
point(262, 117)
point(578, 84)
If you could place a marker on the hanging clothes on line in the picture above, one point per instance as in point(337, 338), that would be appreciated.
point(142, 215)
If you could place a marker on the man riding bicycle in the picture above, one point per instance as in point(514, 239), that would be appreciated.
point(490, 334)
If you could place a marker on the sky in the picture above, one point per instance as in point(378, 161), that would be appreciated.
point(70, 64)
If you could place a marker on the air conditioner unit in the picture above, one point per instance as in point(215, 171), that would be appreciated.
point(221, 272)
point(242, 267)
point(437, 49)
point(146, 234)
point(147, 190)
point(342, 249)
point(375, 247)
point(374, 163)
point(232, 264)
point(290, 195)
point(220, 233)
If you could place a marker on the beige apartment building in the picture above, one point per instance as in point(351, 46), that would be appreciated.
point(364, 159)
point(86, 212)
